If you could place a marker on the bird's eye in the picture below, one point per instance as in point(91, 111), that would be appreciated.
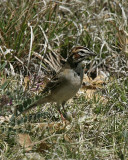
point(82, 52)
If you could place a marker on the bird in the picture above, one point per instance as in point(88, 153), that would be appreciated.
point(66, 83)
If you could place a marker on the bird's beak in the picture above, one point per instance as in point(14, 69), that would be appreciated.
point(92, 54)
point(88, 55)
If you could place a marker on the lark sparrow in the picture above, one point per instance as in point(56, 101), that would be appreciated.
point(66, 83)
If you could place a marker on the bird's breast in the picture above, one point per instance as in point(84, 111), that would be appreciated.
point(69, 86)
point(72, 77)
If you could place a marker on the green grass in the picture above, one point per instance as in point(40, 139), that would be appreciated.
point(50, 29)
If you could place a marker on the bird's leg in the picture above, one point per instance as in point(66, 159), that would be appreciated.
point(63, 104)
point(62, 117)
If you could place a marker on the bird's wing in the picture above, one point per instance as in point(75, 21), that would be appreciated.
point(51, 85)
point(57, 80)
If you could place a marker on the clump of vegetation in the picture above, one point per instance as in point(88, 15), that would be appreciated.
point(35, 37)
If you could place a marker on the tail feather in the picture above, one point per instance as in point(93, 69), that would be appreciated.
point(38, 102)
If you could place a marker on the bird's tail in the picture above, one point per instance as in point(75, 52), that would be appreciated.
point(18, 110)
point(38, 102)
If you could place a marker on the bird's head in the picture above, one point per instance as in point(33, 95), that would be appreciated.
point(79, 54)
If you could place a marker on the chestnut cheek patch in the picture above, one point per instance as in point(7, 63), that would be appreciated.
point(76, 56)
